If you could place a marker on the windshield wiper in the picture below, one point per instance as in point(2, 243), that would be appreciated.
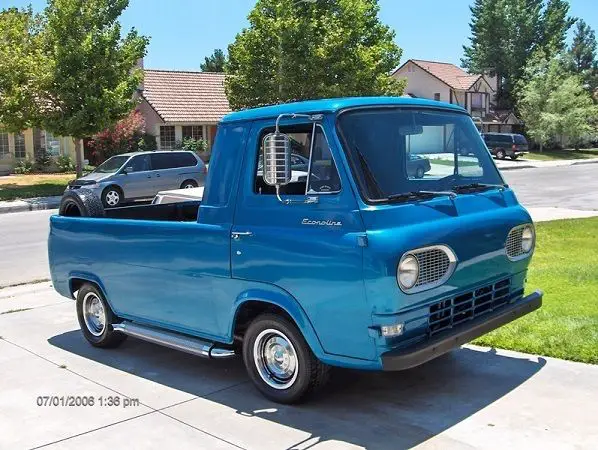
point(473, 187)
point(419, 195)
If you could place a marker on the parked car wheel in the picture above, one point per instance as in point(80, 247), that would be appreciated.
point(96, 318)
point(500, 154)
point(514, 157)
point(188, 184)
point(112, 196)
point(279, 362)
point(419, 173)
point(81, 203)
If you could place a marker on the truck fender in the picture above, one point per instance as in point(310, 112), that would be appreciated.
point(288, 303)
point(86, 276)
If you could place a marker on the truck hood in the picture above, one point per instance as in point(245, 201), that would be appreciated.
point(474, 226)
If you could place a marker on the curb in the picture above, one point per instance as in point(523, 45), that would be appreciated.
point(38, 204)
point(516, 167)
point(581, 163)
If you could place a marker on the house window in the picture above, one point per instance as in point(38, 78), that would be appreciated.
point(437, 96)
point(52, 144)
point(167, 137)
point(477, 100)
point(193, 132)
point(20, 145)
point(44, 141)
point(4, 151)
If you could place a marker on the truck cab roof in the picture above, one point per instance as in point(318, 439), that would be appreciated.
point(333, 105)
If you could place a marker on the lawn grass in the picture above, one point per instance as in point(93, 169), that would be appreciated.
point(565, 267)
point(450, 162)
point(551, 155)
point(15, 187)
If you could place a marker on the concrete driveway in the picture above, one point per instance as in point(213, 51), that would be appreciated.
point(471, 398)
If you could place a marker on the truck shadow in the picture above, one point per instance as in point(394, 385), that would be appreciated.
point(369, 409)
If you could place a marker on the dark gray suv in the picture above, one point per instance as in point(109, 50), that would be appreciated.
point(140, 175)
point(502, 145)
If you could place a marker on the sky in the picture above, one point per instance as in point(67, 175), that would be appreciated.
point(183, 32)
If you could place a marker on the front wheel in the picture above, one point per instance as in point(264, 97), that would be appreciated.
point(500, 154)
point(96, 318)
point(112, 197)
point(514, 157)
point(279, 362)
point(419, 173)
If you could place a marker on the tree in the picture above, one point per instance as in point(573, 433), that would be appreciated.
point(298, 50)
point(553, 102)
point(215, 62)
point(92, 75)
point(505, 34)
point(23, 67)
point(583, 55)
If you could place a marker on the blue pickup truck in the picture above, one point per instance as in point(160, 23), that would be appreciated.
point(361, 263)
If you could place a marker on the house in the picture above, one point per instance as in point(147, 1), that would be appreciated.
point(180, 104)
point(448, 83)
point(29, 143)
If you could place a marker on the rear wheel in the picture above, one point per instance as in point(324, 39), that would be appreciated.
point(279, 362)
point(188, 184)
point(419, 173)
point(500, 154)
point(112, 196)
point(96, 318)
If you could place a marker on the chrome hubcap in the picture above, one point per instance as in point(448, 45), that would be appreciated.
point(94, 314)
point(275, 359)
point(112, 198)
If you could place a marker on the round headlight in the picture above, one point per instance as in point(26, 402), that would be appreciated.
point(527, 239)
point(408, 271)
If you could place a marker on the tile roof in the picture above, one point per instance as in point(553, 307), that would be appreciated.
point(186, 96)
point(452, 75)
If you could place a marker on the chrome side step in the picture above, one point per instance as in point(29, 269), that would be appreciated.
point(187, 344)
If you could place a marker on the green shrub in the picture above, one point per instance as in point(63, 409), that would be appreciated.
point(65, 164)
point(43, 161)
point(23, 167)
point(147, 142)
point(198, 146)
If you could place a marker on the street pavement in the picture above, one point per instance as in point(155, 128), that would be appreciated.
point(23, 247)
point(471, 398)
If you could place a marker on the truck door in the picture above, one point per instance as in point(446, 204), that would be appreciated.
point(311, 250)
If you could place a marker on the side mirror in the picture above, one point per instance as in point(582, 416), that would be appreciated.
point(277, 159)
point(126, 170)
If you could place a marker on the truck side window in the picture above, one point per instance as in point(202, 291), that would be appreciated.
point(323, 178)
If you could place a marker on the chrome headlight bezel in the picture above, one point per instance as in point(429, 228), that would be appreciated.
point(516, 235)
point(420, 283)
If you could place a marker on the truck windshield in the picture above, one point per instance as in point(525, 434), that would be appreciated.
point(111, 165)
point(395, 151)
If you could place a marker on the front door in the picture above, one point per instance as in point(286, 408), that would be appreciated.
point(138, 177)
point(311, 250)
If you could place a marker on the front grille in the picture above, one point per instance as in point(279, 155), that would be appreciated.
point(453, 311)
point(434, 263)
point(513, 245)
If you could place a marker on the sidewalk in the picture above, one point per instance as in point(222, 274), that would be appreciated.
point(523, 163)
point(150, 396)
point(30, 204)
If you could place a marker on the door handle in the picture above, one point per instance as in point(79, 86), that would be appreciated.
point(236, 235)
point(157, 174)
